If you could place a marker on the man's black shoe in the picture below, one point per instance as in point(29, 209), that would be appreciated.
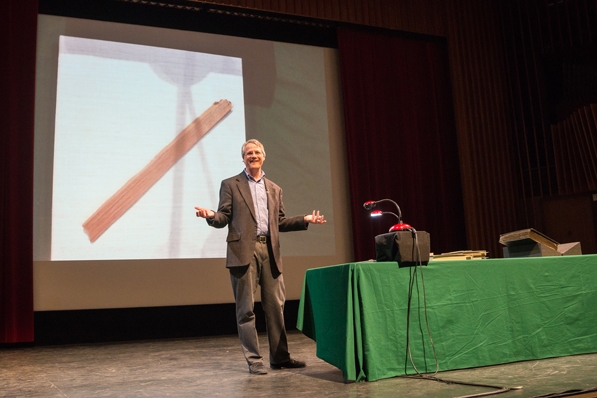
point(290, 364)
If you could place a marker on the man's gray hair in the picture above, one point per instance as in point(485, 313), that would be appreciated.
point(252, 141)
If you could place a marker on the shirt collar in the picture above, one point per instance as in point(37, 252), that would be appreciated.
point(250, 177)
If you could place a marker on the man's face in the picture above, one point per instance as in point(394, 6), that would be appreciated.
point(253, 158)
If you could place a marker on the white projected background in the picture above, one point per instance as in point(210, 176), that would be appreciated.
point(117, 106)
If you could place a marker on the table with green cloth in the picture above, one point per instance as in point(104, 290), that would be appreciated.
point(466, 313)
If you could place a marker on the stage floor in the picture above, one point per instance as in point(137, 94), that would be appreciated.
point(215, 367)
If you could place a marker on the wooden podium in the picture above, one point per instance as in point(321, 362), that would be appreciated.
point(532, 243)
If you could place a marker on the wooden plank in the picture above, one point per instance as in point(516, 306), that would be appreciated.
point(113, 208)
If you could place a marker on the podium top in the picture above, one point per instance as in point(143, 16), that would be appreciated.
point(522, 236)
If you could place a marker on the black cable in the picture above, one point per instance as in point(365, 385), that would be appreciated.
point(566, 393)
point(425, 304)
point(418, 265)
point(498, 389)
point(408, 306)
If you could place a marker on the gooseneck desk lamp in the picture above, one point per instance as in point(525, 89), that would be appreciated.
point(401, 226)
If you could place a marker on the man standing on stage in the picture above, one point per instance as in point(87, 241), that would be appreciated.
point(251, 205)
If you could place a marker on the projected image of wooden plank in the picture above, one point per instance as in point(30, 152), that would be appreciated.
point(113, 208)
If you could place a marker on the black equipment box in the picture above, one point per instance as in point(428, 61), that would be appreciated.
point(408, 248)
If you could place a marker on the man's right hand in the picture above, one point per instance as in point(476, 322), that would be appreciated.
point(204, 213)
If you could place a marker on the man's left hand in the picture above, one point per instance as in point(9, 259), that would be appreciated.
point(315, 218)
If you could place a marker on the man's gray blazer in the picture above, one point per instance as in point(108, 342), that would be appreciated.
point(236, 209)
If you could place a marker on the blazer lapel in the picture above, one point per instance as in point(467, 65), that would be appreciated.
point(271, 203)
point(245, 192)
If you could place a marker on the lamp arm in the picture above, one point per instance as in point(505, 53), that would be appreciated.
point(394, 214)
point(397, 207)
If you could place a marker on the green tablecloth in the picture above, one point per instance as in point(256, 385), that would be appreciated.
point(480, 312)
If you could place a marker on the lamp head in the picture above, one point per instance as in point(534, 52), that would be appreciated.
point(370, 204)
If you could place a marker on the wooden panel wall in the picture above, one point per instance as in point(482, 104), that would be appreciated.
point(557, 42)
point(553, 48)
point(420, 16)
point(575, 150)
point(491, 184)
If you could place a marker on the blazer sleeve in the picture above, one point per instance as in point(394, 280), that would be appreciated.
point(224, 213)
point(288, 224)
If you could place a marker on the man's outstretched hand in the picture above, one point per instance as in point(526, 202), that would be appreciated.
point(315, 218)
point(206, 213)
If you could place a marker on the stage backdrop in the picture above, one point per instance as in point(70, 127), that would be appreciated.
point(397, 111)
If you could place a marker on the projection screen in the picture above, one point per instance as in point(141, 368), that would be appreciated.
point(136, 125)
